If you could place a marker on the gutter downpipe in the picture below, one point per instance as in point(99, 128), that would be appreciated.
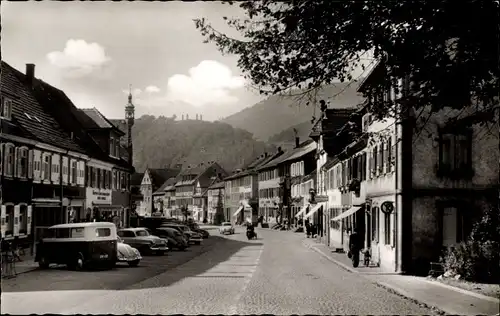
point(398, 192)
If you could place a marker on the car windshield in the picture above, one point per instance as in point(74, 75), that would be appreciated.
point(141, 233)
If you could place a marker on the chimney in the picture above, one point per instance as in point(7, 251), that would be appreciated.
point(30, 73)
point(200, 117)
point(201, 164)
point(279, 149)
point(297, 141)
point(197, 117)
point(182, 117)
point(265, 154)
point(187, 116)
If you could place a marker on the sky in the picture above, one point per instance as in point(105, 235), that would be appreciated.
point(94, 52)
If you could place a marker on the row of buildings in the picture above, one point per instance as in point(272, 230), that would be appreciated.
point(411, 187)
point(58, 163)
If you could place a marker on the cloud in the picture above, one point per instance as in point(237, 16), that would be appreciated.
point(152, 89)
point(210, 82)
point(79, 58)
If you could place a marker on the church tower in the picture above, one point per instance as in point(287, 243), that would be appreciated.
point(129, 118)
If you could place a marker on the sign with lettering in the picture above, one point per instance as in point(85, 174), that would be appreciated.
point(98, 196)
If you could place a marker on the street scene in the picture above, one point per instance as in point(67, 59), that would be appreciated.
point(255, 157)
point(228, 275)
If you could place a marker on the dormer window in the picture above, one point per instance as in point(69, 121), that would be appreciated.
point(117, 148)
point(6, 108)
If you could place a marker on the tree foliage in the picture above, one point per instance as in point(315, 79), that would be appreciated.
point(450, 48)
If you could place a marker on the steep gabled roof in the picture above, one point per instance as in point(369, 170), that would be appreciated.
point(305, 148)
point(68, 116)
point(159, 176)
point(136, 178)
point(217, 185)
point(29, 118)
point(93, 119)
point(161, 190)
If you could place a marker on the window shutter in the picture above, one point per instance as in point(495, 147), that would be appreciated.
point(17, 212)
point(371, 163)
point(1, 159)
point(30, 164)
point(28, 220)
point(380, 158)
point(391, 150)
point(386, 161)
point(16, 163)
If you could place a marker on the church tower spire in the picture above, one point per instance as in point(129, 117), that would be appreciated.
point(130, 118)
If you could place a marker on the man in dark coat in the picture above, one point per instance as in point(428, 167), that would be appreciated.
point(355, 241)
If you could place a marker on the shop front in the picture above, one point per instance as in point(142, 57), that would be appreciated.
point(122, 198)
point(100, 207)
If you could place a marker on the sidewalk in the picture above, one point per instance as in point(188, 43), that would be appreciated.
point(449, 299)
point(26, 265)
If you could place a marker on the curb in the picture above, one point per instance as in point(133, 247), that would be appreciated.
point(466, 292)
point(403, 292)
point(340, 264)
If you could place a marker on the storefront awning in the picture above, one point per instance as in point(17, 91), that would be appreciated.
point(302, 211)
point(350, 211)
point(108, 208)
point(41, 202)
point(314, 210)
point(238, 211)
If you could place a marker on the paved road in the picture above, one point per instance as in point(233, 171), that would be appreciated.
point(272, 275)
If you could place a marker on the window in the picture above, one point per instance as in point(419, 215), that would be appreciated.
point(78, 232)
point(374, 165)
point(103, 232)
point(46, 167)
point(455, 152)
point(10, 152)
point(6, 108)
point(62, 232)
point(73, 171)
point(22, 160)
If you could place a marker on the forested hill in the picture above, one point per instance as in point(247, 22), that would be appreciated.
point(163, 142)
point(275, 114)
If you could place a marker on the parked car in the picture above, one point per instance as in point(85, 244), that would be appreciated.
point(127, 253)
point(143, 241)
point(174, 237)
point(193, 237)
point(78, 245)
point(226, 228)
point(196, 228)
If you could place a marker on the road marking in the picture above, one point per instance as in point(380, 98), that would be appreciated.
point(255, 258)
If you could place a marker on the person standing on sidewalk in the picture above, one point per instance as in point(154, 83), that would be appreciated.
point(355, 241)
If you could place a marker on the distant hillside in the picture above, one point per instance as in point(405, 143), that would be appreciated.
point(275, 114)
point(286, 139)
point(163, 142)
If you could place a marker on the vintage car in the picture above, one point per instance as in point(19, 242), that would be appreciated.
point(193, 237)
point(78, 246)
point(174, 237)
point(196, 228)
point(226, 228)
point(127, 253)
point(143, 241)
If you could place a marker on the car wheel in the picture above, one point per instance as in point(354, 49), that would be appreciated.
point(134, 263)
point(43, 263)
point(78, 263)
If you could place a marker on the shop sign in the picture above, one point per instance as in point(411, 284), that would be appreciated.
point(98, 196)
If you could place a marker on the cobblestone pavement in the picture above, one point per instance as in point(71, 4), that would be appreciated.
point(272, 275)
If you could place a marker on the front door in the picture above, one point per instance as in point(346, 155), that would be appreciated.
point(449, 226)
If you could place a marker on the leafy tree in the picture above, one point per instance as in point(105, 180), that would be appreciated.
point(450, 48)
